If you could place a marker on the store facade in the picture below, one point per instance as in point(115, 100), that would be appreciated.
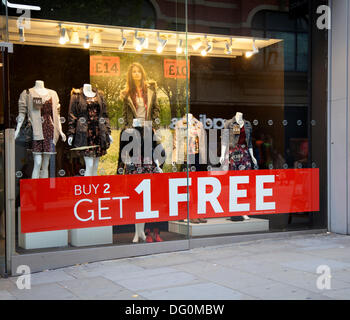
point(138, 127)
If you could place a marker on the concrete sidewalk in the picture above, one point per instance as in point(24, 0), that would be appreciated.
point(265, 269)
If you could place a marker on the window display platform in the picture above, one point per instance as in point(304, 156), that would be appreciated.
point(45, 239)
point(218, 226)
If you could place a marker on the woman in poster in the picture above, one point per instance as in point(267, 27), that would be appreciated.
point(140, 105)
point(139, 98)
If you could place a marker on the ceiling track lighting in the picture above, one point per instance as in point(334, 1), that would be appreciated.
point(208, 48)
point(248, 54)
point(179, 46)
point(64, 38)
point(21, 34)
point(142, 42)
point(97, 38)
point(228, 47)
point(161, 43)
point(75, 37)
point(124, 41)
point(196, 45)
point(87, 39)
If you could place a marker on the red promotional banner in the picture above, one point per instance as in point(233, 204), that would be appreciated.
point(175, 69)
point(104, 66)
point(82, 202)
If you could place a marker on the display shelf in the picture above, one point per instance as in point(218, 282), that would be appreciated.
point(91, 236)
point(39, 240)
point(219, 226)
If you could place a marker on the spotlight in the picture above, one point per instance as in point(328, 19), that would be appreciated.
point(161, 44)
point(87, 40)
point(21, 34)
point(196, 45)
point(142, 42)
point(97, 38)
point(64, 38)
point(248, 54)
point(124, 41)
point(179, 47)
point(208, 49)
point(75, 37)
point(228, 47)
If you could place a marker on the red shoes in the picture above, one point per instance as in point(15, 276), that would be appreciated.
point(156, 236)
point(148, 235)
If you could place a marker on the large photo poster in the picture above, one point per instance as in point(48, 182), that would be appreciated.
point(109, 73)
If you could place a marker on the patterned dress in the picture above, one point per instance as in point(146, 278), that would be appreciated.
point(45, 146)
point(239, 157)
point(143, 164)
point(93, 133)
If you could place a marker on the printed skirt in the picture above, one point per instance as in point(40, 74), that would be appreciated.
point(239, 158)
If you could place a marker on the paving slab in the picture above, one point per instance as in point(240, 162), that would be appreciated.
point(5, 295)
point(229, 277)
point(304, 280)
point(144, 273)
point(311, 264)
point(158, 281)
point(163, 260)
point(201, 291)
point(253, 265)
point(98, 288)
point(280, 291)
point(341, 294)
point(6, 284)
point(50, 276)
point(343, 275)
point(109, 269)
point(48, 291)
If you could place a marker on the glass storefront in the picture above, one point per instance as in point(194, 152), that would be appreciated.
point(145, 122)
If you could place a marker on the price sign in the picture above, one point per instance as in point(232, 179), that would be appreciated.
point(175, 69)
point(104, 66)
point(84, 202)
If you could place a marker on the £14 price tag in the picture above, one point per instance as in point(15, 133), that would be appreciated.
point(104, 66)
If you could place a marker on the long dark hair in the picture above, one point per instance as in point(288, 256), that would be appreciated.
point(130, 84)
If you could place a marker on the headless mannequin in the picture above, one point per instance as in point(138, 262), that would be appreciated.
point(91, 163)
point(240, 121)
point(189, 118)
point(41, 161)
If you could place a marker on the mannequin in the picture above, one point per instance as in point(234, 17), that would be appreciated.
point(189, 139)
point(41, 157)
point(240, 121)
point(140, 227)
point(91, 163)
point(238, 118)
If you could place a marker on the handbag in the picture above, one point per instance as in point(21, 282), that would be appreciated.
point(28, 129)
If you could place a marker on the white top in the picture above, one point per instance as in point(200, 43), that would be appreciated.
point(87, 89)
point(140, 109)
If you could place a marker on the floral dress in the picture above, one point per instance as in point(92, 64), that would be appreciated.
point(45, 146)
point(239, 157)
point(93, 132)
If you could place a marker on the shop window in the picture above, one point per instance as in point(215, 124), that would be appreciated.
point(292, 31)
point(130, 13)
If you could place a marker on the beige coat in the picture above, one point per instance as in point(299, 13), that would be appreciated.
point(25, 107)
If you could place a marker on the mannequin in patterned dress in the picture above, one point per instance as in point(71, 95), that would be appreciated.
point(43, 149)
